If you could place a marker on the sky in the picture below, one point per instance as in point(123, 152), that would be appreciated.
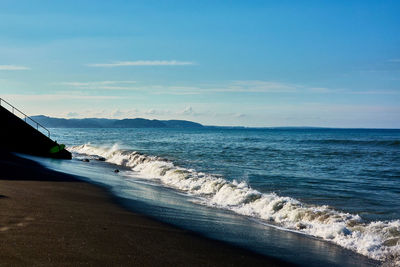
point(242, 63)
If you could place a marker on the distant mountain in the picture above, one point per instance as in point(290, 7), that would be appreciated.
point(112, 123)
point(138, 123)
point(182, 124)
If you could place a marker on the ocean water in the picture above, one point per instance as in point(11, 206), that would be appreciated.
point(307, 196)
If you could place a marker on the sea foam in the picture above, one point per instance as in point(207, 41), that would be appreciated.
point(378, 240)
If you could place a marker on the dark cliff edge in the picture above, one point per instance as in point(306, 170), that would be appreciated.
point(18, 136)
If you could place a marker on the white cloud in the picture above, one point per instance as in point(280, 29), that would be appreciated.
point(152, 111)
point(13, 67)
point(111, 114)
point(306, 114)
point(231, 87)
point(377, 92)
point(79, 84)
point(142, 63)
point(118, 113)
point(117, 88)
point(188, 111)
point(175, 90)
point(321, 90)
point(55, 97)
point(102, 85)
point(257, 86)
point(239, 115)
point(72, 114)
point(250, 86)
point(184, 113)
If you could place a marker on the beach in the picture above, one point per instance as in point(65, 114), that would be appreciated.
point(54, 219)
point(200, 133)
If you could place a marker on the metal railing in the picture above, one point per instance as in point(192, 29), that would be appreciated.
point(25, 117)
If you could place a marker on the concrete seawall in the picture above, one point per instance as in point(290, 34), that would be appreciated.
point(18, 136)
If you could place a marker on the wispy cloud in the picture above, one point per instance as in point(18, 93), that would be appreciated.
point(104, 113)
point(55, 97)
point(13, 67)
point(394, 60)
point(322, 90)
point(187, 112)
point(96, 83)
point(102, 85)
point(142, 63)
point(251, 86)
point(257, 86)
point(263, 87)
point(376, 92)
point(240, 87)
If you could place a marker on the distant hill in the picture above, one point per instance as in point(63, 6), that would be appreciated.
point(182, 124)
point(112, 123)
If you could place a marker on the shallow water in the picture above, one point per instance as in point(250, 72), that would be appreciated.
point(341, 186)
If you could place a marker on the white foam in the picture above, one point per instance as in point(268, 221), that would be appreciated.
point(378, 240)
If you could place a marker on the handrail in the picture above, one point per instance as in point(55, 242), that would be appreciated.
point(25, 117)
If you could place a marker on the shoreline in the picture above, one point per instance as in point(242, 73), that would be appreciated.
point(54, 218)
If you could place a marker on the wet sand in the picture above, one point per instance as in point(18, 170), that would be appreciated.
point(53, 219)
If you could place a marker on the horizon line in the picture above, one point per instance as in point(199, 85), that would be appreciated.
point(230, 126)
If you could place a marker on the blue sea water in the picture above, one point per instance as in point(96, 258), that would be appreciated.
point(308, 196)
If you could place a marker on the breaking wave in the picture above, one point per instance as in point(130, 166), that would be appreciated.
point(379, 240)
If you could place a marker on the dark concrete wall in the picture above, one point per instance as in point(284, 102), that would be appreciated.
point(17, 136)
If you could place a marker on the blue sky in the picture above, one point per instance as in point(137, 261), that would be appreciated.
point(251, 63)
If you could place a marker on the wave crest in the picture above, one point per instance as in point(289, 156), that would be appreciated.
point(379, 240)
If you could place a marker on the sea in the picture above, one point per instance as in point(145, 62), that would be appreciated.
point(308, 196)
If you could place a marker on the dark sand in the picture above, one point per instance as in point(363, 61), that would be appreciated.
point(50, 218)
